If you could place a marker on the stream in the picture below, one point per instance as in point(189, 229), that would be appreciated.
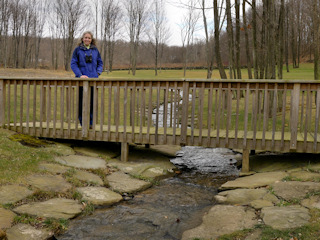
point(168, 209)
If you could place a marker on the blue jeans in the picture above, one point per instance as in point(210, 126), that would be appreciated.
point(81, 103)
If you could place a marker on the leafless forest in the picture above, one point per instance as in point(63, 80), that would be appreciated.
point(265, 36)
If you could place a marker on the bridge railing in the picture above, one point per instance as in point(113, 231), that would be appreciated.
point(243, 114)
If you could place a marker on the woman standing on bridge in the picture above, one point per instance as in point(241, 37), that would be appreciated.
point(86, 62)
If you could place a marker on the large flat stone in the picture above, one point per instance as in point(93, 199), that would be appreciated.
point(220, 220)
point(53, 168)
point(312, 202)
point(255, 181)
point(6, 218)
point(292, 190)
point(13, 193)
point(53, 208)
point(240, 196)
point(99, 195)
point(305, 176)
point(123, 183)
point(82, 162)
point(285, 217)
point(49, 183)
point(27, 232)
point(151, 170)
point(88, 177)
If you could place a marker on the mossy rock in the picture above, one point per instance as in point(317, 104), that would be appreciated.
point(30, 141)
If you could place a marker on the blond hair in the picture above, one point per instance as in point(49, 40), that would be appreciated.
point(93, 42)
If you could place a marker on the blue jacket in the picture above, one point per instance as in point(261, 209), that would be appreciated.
point(79, 65)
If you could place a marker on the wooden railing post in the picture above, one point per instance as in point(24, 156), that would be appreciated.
point(294, 116)
point(184, 117)
point(85, 109)
point(2, 103)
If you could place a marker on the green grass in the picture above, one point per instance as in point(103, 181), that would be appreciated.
point(18, 161)
point(305, 71)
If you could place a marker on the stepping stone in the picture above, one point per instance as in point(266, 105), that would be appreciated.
point(306, 176)
point(54, 208)
point(293, 190)
point(49, 183)
point(13, 193)
point(27, 232)
point(88, 177)
point(123, 183)
point(220, 220)
point(82, 162)
point(240, 196)
point(312, 202)
point(285, 217)
point(6, 218)
point(99, 195)
point(54, 168)
point(255, 181)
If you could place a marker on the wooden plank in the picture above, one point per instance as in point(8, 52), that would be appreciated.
point(193, 111)
point(68, 108)
point(246, 118)
point(48, 107)
point(95, 108)
point(200, 117)
point(284, 104)
point(102, 110)
point(157, 113)
point(165, 111)
point(210, 100)
point(255, 110)
point(15, 99)
point(62, 109)
point(85, 109)
point(117, 109)
point(265, 115)
point(109, 111)
point(274, 114)
point(125, 113)
point(21, 104)
point(316, 128)
point(219, 113)
point(149, 112)
point(175, 110)
point(184, 117)
point(2, 103)
point(229, 108)
point(305, 126)
point(237, 113)
point(132, 110)
point(55, 112)
point(28, 107)
point(295, 97)
point(142, 107)
point(77, 108)
point(34, 106)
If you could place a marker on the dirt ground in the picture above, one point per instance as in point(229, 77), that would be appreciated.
point(12, 72)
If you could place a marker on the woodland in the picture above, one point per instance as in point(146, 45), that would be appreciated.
point(262, 36)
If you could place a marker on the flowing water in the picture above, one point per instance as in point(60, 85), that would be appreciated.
point(168, 209)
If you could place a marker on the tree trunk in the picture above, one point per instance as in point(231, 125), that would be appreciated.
point(223, 74)
point(245, 28)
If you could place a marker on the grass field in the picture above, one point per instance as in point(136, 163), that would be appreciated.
point(304, 72)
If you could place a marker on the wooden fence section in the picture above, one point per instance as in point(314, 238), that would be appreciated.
point(240, 114)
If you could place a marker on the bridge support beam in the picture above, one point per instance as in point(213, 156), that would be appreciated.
point(124, 151)
point(245, 161)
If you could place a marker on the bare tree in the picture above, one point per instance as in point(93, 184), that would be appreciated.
point(232, 72)
point(158, 33)
point(188, 28)
point(216, 15)
point(72, 16)
point(4, 28)
point(111, 19)
point(245, 29)
point(136, 13)
point(315, 19)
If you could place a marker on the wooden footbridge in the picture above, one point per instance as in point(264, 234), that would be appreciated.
point(268, 115)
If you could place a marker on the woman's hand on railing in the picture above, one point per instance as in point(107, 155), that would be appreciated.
point(84, 76)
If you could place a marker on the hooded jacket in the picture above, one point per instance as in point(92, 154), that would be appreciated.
point(79, 65)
